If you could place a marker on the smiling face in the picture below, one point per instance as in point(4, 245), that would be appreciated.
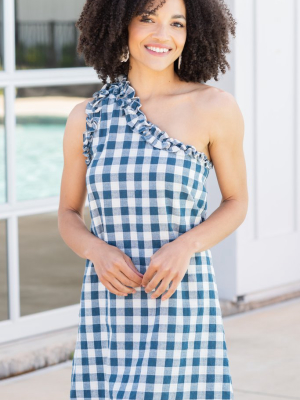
point(157, 40)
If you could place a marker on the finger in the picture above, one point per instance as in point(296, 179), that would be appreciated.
point(128, 271)
point(172, 289)
point(132, 266)
point(118, 285)
point(161, 288)
point(155, 281)
point(112, 289)
point(124, 280)
point(149, 274)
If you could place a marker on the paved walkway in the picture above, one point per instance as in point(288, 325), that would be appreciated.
point(264, 355)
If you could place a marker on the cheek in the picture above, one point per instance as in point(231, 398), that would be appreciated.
point(180, 38)
point(137, 33)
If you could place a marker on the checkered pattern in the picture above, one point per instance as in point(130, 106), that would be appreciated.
point(144, 190)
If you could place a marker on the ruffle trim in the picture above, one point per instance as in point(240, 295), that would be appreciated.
point(88, 139)
point(92, 122)
point(137, 120)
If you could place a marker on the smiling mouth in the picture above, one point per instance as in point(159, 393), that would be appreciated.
point(159, 53)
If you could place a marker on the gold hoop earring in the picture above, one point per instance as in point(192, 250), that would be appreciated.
point(125, 56)
point(179, 61)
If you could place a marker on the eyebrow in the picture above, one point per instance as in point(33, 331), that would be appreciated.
point(178, 16)
point(173, 16)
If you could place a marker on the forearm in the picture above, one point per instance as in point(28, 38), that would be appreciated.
point(220, 224)
point(76, 235)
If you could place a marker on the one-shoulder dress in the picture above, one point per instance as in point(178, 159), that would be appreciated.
point(144, 190)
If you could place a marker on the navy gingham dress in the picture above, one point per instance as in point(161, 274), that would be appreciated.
point(144, 190)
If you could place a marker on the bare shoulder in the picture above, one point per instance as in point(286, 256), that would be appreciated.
point(76, 126)
point(78, 114)
point(73, 187)
point(226, 133)
point(225, 117)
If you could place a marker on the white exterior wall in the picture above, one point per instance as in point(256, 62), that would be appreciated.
point(262, 257)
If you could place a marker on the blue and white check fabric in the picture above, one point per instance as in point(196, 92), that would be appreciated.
point(144, 190)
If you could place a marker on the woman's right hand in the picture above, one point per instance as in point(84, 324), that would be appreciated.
point(116, 270)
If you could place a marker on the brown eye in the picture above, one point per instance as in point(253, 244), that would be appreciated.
point(181, 26)
point(148, 19)
point(145, 19)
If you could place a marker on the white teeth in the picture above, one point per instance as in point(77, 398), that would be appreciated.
point(158, 49)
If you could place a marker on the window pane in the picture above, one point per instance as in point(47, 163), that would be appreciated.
point(3, 273)
point(46, 36)
point(3, 193)
point(51, 274)
point(1, 36)
point(41, 115)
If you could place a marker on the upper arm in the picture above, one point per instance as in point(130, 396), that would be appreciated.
point(73, 187)
point(226, 147)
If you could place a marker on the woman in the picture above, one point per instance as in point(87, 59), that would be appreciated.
point(150, 320)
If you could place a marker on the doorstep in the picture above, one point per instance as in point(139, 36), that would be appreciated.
point(40, 351)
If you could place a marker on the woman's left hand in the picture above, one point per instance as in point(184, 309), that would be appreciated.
point(167, 264)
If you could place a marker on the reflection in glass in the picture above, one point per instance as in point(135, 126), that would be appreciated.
point(3, 273)
point(41, 115)
point(1, 36)
point(46, 36)
point(51, 274)
point(3, 192)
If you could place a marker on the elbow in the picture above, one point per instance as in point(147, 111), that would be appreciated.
point(60, 220)
point(243, 207)
point(62, 214)
point(240, 205)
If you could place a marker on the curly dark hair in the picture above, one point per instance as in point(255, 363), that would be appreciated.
point(103, 38)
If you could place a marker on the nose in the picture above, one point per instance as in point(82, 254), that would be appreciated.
point(161, 32)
